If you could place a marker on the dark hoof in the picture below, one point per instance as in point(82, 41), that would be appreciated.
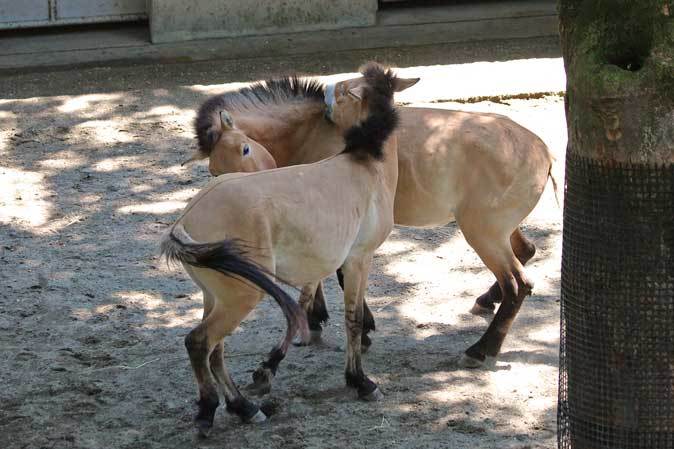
point(203, 427)
point(262, 379)
point(203, 420)
point(470, 362)
point(270, 407)
point(374, 396)
point(482, 310)
point(467, 361)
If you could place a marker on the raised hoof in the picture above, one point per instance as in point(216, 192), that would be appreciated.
point(262, 378)
point(257, 418)
point(375, 396)
point(256, 389)
point(481, 310)
point(270, 407)
point(469, 362)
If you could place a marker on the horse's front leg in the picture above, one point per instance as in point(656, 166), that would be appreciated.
point(355, 284)
point(368, 318)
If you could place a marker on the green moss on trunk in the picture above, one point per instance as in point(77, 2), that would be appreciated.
point(619, 57)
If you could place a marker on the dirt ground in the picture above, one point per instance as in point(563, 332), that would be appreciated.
point(92, 322)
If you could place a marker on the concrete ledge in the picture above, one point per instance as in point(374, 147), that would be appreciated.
point(180, 20)
point(391, 34)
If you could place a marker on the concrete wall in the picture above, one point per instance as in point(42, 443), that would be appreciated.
point(179, 20)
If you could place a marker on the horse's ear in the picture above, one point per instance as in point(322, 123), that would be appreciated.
point(195, 157)
point(357, 92)
point(401, 84)
point(226, 120)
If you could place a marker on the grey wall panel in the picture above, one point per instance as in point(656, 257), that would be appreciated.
point(70, 9)
point(12, 11)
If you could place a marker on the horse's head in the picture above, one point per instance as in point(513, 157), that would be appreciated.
point(234, 151)
point(347, 100)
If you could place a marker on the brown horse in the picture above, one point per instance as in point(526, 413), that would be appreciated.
point(298, 223)
point(482, 170)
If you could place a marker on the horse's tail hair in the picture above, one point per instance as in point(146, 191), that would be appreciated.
point(229, 258)
point(554, 185)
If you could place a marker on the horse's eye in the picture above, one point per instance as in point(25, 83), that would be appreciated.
point(246, 149)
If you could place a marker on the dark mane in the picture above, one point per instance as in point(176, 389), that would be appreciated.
point(367, 139)
point(256, 97)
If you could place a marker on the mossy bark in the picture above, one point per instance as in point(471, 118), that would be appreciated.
point(619, 59)
point(617, 350)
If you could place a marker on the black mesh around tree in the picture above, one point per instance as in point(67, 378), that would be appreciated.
point(616, 376)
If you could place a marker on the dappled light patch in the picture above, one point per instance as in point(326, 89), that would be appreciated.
point(167, 111)
point(108, 131)
point(158, 208)
point(61, 161)
point(477, 79)
point(117, 163)
point(7, 124)
point(158, 311)
point(177, 195)
point(23, 200)
point(60, 223)
point(89, 105)
point(161, 203)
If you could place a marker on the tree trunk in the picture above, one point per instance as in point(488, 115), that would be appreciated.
point(617, 343)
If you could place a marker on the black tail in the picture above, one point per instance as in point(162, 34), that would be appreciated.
point(229, 258)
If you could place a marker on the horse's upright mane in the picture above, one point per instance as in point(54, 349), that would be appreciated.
point(257, 97)
point(367, 139)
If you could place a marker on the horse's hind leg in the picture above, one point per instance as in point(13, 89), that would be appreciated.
point(524, 250)
point(368, 318)
point(235, 401)
point(264, 374)
point(498, 255)
point(223, 313)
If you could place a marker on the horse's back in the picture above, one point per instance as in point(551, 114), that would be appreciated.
point(449, 159)
point(304, 217)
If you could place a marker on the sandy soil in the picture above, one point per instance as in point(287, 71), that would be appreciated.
point(92, 323)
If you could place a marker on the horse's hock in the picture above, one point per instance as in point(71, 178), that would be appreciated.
point(176, 20)
point(616, 386)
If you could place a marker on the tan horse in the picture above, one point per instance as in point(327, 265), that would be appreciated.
point(482, 170)
point(298, 223)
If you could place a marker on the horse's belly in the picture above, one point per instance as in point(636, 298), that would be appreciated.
point(423, 214)
point(302, 255)
point(424, 199)
point(299, 269)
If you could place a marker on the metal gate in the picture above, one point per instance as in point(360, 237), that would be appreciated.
point(37, 13)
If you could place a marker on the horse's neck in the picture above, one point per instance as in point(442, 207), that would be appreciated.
point(294, 136)
point(315, 140)
point(389, 167)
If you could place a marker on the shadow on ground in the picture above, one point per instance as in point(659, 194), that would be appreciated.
point(92, 323)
